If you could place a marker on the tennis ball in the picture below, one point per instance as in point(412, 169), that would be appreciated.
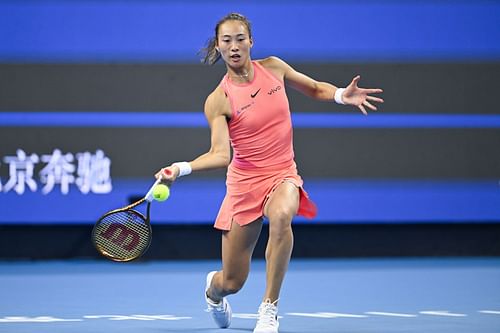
point(161, 192)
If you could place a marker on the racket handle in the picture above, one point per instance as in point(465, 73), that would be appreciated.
point(149, 195)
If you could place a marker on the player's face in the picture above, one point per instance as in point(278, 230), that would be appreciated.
point(234, 43)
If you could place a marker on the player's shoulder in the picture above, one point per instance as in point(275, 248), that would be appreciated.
point(273, 62)
point(216, 102)
point(275, 65)
point(216, 97)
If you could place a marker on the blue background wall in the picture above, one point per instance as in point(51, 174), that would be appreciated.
point(68, 68)
point(142, 31)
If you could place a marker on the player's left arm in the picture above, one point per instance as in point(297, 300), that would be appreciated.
point(352, 95)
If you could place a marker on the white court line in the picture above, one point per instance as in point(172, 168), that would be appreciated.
point(245, 315)
point(136, 317)
point(391, 314)
point(142, 317)
point(490, 312)
point(326, 315)
point(443, 313)
point(39, 319)
point(248, 316)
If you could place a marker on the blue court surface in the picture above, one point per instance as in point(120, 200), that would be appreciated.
point(335, 295)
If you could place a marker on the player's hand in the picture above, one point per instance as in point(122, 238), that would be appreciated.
point(168, 175)
point(360, 97)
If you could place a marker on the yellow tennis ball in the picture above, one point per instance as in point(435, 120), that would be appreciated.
point(161, 192)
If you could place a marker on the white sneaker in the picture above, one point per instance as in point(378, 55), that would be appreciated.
point(221, 312)
point(268, 318)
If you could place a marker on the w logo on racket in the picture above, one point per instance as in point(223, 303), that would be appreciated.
point(125, 234)
point(119, 234)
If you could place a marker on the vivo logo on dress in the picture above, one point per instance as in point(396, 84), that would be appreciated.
point(273, 90)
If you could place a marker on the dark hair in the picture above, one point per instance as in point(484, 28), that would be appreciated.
point(209, 53)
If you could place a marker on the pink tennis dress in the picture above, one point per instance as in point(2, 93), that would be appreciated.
point(261, 136)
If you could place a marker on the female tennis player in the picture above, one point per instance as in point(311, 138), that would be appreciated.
point(249, 112)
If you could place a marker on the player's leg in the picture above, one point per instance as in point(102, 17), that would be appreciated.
point(237, 249)
point(280, 210)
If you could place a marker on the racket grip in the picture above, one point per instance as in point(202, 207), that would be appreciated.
point(149, 195)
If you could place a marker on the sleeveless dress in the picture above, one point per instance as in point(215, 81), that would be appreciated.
point(261, 136)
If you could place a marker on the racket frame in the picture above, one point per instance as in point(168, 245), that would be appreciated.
point(130, 208)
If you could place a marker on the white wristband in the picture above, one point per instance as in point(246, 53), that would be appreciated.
point(184, 168)
point(338, 95)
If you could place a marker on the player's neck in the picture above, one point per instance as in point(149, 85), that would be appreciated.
point(243, 74)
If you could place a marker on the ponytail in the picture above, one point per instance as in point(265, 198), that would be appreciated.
point(210, 55)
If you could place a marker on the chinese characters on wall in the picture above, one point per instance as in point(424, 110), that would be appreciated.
point(89, 172)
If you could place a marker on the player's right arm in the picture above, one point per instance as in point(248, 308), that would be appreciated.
point(217, 112)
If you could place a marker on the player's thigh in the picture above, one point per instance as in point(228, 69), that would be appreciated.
point(237, 248)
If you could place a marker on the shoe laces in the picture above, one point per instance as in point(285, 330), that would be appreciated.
point(268, 313)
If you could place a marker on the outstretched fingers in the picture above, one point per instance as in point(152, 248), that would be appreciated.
point(363, 110)
point(375, 99)
point(355, 80)
point(370, 106)
point(373, 91)
point(361, 97)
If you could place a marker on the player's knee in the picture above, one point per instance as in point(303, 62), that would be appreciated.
point(280, 222)
point(280, 229)
point(282, 216)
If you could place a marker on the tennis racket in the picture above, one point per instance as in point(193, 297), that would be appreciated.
point(125, 234)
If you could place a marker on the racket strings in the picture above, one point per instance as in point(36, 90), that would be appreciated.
point(122, 235)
